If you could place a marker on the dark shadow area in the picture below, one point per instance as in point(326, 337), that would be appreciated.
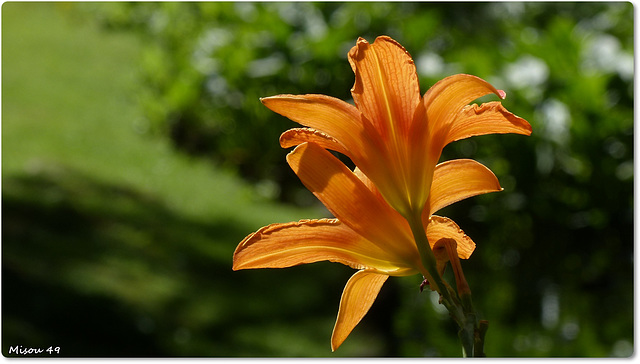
point(105, 271)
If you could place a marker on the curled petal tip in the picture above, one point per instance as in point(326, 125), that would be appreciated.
point(502, 94)
point(263, 99)
point(273, 97)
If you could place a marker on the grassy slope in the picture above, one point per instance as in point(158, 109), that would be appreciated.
point(68, 99)
point(109, 232)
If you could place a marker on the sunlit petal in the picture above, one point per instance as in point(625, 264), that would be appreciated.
point(488, 118)
point(395, 138)
point(387, 92)
point(421, 162)
point(458, 179)
point(351, 201)
point(386, 89)
point(357, 298)
point(445, 100)
point(452, 93)
point(308, 241)
point(334, 117)
point(439, 227)
point(367, 182)
point(297, 136)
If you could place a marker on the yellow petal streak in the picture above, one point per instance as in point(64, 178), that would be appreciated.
point(352, 202)
point(387, 92)
point(309, 241)
point(358, 296)
point(386, 88)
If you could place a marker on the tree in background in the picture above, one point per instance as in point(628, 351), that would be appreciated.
point(556, 248)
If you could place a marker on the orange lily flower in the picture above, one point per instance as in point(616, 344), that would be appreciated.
point(394, 135)
point(395, 138)
point(367, 233)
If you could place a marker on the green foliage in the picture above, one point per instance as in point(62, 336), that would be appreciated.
point(564, 222)
point(553, 268)
point(115, 245)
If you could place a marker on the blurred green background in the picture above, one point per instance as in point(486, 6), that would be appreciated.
point(136, 156)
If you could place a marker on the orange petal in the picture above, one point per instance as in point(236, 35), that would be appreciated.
point(446, 99)
point(488, 118)
point(297, 136)
point(332, 116)
point(351, 201)
point(421, 162)
point(386, 89)
point(358, 296)
point(458, 179)
point(368, 183)
point(308, 241)
point(439, 227)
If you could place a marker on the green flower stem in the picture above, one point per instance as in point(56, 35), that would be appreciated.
point(467, 337)
point(483, 326)
point(460, 308)
point(429, 262)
